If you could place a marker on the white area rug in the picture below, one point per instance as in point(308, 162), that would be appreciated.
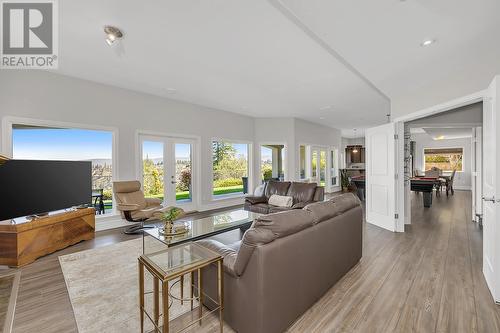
point(103, 286)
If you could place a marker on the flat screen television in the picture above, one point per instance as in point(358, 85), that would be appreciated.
point(30, 187)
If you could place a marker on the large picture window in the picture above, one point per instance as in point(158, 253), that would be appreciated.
point(70, 144)
point(230, 167)
point(446, 159)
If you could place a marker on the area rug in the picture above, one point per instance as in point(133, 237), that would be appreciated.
point(103, 286)
point(9, 286)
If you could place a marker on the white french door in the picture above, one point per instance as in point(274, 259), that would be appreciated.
point(319, 165)
point(491, 232)
point(167, 167)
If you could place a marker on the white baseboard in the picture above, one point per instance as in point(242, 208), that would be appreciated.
point(462, 188)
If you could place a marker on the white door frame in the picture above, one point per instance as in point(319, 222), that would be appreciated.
point(477, 171)
point(404, 208)
point(195, 163)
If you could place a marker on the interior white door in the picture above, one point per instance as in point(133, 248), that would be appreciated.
point(491, 232)
point(380, 176)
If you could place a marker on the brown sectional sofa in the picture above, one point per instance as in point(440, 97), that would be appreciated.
point(302, 194)
point(286, 262)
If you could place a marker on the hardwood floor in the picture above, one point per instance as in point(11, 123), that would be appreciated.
point(428, 279)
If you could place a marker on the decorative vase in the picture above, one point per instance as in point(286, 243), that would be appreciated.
point(169, 226)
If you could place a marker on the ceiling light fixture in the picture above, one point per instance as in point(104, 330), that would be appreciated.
point(112, 34)
point(355, 150)
point(427, 42)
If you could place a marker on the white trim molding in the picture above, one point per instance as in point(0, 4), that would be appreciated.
point(443, 107)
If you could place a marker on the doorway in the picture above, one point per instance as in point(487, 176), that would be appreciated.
point(448, 146)
point(167, 170)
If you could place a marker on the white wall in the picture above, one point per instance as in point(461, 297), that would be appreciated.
point(469, 115)
point(462, 179)
point(47, 96)
point(316, 135)
point(293, 133)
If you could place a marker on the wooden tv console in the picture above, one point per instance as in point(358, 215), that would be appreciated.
point(23, 241)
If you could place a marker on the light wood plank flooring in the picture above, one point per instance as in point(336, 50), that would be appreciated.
point(428, 279)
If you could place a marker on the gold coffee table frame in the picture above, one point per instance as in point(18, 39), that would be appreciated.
point(163, 273)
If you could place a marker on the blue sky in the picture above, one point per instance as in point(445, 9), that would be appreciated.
point(154, 149)
point(61, 144)
point(79, 144)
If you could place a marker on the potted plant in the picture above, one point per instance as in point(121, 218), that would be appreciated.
point(344, 179)
point(169, 216)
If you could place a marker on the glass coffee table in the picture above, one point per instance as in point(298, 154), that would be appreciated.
point(153, 240)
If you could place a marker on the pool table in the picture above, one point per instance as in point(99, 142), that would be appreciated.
point(424, 185)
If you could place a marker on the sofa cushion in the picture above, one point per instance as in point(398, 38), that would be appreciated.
point(324, 210)
point(275, 209)
point(301, 192)
point(255, 199)
point(280, 200)
point(261, 208)
point(276, 187)
point(285, 223)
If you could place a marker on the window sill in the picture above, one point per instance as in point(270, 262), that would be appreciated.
point(228, 196)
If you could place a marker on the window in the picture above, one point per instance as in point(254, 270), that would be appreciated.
point(271, 162)
point(446, 159)
point(302, 161)
point(71, 144)
point(230, 167)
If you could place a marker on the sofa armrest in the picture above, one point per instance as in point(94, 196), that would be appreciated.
point(300, 205)
point(255, 199)
point(228, 254)
point(153, 202)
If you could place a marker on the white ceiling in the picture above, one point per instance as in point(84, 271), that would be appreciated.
point(382, 40)
point(329, 62)
point(444, 133)
point(234, 55)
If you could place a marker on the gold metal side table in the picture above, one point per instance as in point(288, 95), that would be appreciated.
point(171, 265)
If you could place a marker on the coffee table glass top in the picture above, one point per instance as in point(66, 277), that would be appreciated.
point(201, 228)
point(170, 261)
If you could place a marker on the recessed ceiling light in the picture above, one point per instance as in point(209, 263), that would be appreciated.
point(428, 42)
point(171, 90)
point(322, 118)
point(326, 107)
point(112, 34)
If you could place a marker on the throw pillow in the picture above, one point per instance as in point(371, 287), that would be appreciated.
point(281, 200)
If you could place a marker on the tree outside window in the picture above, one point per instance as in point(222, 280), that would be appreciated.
point(446, 159)
point(230, 167)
